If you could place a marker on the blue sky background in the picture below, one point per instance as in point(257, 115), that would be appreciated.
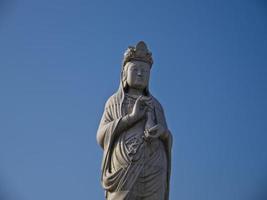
point(60, 61)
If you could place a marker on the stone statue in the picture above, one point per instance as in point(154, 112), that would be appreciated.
point(134, 135)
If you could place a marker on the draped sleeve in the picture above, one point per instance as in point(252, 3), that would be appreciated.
point(108, 124)
point(167, 141)
point(106, 135)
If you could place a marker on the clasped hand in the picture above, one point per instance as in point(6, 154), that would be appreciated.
point(155, 132)
point(139, 112)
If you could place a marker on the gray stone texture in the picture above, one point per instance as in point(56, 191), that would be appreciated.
point(134, 135)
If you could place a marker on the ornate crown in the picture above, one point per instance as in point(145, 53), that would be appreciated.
point(140, 53)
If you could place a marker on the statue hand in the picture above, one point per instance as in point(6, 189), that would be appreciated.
point(155, 132)
point(139, 109)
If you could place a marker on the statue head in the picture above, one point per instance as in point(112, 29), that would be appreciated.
point(136, 67)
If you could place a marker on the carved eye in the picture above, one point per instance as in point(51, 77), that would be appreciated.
point(144, 71)
point(134, 69)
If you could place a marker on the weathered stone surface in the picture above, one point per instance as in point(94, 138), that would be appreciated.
point(134, 135)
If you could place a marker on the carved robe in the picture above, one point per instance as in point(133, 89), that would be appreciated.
point(133, 168)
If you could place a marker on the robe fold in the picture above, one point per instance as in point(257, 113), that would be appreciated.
point(128, 160)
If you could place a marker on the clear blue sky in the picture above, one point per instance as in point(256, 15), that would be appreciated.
point(60, 60)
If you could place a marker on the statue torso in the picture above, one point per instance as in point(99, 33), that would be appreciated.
point(130, 148)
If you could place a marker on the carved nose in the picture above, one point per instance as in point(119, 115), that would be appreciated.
point(139, 73)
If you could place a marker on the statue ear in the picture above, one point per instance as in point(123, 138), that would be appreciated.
point(124, 81)
point(124, 76)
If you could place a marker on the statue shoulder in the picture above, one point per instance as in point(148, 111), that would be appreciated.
point(157, 104)
point(113, 99)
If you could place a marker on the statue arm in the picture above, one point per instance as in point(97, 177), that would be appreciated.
point(167, 135)
point(111, 125)
point(105, 120)
point(126, 122)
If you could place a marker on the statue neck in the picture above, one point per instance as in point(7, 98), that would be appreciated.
point(135, 92)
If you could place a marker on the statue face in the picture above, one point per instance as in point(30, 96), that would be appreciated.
point(138, 73)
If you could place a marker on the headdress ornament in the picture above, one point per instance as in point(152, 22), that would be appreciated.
point(140, 52)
